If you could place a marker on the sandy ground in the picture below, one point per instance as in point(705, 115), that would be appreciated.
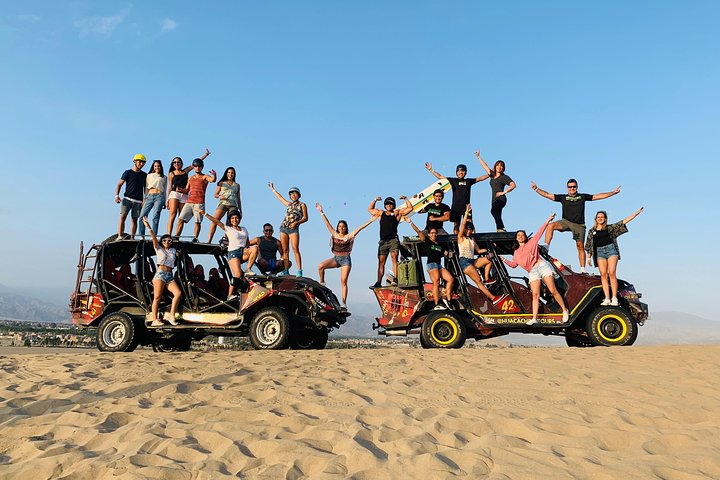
point(518, 413)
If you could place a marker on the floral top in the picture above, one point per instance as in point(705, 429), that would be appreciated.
point(615, 230)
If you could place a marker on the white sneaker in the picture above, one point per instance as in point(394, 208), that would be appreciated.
point(614, 302)
point(532, 321)
point(440, 306)
point(605, 302)
point(582, 270)
point(566, 316)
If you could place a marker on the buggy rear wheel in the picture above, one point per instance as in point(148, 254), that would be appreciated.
point(117, 333)
point(577, 340)
point(443, 329)
point(611, 326)
point(304, 339)
point(177, 342)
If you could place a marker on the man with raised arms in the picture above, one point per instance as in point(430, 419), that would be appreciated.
point(460, 186)
point(573, 214)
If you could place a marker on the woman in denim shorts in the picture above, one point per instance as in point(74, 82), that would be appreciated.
point(467, 247)
point(528, 257)
point(166, 256)
point(435, 254)
point(295, 214)
point(342, 244)
point(228, 193)
point(237, 241)
point(602, 245)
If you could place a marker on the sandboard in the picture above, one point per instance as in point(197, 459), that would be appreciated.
point(425, 196)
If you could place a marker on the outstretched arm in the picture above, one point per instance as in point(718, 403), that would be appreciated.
point(156, 244)
point(414, 227)
point(325, 219)
point(357, 230)
point(600, 196)
point(483, 164)
point(628, 219)
point(439, 176)
point(461, 231)
point(542, 192)
point(205, 155)
point(277, 194)
point(213, 220)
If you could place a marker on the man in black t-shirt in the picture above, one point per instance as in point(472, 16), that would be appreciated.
point(460, 189)
point(134, 181)
point(437, 213)
point(573, 214)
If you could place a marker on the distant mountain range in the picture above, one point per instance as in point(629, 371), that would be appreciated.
point(15, 305)
point(662, 328)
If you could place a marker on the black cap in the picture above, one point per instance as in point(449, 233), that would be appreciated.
point(462, 167)
point(389, 201)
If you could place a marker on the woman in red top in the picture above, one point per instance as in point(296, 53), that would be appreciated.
point(528, 257)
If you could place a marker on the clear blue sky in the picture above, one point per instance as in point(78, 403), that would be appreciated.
point(347, 100)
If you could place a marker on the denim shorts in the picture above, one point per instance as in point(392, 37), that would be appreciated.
point(541, 270)
point(466, 262)
point(433, 266)
point(343, 260)
point(132, 207)
point(289, 231)
point(271, 263)
point(237, 253)
point(607, 251)
point(166, 277)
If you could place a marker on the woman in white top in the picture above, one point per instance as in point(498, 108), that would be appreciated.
point(467, 248)
point(155, 186)
point(237, 241)
point(166, 257)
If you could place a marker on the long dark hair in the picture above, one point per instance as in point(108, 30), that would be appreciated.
point(172, 165)
point(494, 170)
point(516, 244)
point(337, 228)
point(224, 177)
point(152, 168)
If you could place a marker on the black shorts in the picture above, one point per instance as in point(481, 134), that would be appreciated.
point(457, 215)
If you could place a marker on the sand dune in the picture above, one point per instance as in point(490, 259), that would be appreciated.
point(503, 413)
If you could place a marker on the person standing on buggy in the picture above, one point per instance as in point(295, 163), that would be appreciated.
point(166, 258)
point(155, 186)
point(177, 194)
point(228, 191)
point(389, 243)
point(498, 181)
point(295, 214)
point(460, 186)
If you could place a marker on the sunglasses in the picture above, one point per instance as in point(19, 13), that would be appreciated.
point(177, 163)
point(572, 186)
point(268, 230)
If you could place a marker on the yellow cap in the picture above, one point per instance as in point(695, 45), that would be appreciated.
point(140, 157)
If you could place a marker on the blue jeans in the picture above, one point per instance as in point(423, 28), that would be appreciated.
point(152, 206)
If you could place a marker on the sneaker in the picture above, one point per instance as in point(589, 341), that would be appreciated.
point(195, 240)
point(376, 285)
point(532, 321)
point(156, 323)
point(498, 299)
point(566, 316)
point(605, 302)
point(118, 238)
point(582, 270)
point(489, 281)
point(283, 273)
point(501, 230)
point(299, 274)
point(440, 306)
point(232, 298)
point(614, 302)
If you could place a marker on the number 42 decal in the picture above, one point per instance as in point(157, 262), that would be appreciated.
point(509, 306)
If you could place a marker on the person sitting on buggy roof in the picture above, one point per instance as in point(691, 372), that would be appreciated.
point(389, 242)
point(166, 258)
point(467, 249)
point(237, 241)
point(435, 254)
point(437, 213)
point(268, 248)
point(527, 256)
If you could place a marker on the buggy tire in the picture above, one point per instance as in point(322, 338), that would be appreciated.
point(270, 329)
point(442, 329)
point(423, 343)
point(304, 339)
point(117, 332)
point(611, 326)
point(577, 340)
